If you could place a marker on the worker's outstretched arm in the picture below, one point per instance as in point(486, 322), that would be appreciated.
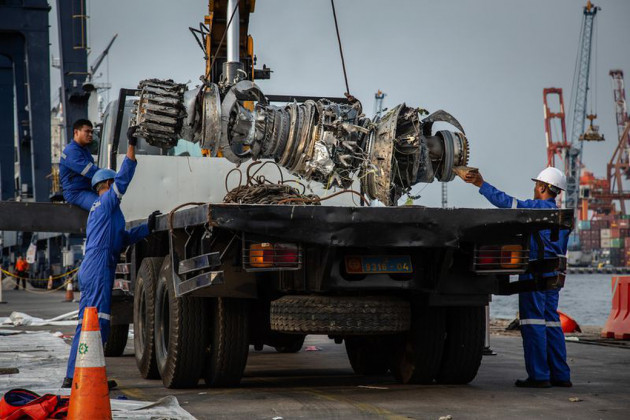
point(111, 199)
point(136, 234)
point(78, 163)
point(505, 201)
point(498, 197)
point(131, 153)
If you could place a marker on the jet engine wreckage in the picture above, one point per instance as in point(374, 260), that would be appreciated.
point(319, 140)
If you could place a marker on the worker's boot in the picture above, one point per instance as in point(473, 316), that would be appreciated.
point(561, 384)
point(67, 382)
point(531, 383)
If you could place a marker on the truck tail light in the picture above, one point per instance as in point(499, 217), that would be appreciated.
point(261, 255)
point(501, 258)
point(511, 256)
point(286, 254)
point(267, 256)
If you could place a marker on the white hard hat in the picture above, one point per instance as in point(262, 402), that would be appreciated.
point(552, 176)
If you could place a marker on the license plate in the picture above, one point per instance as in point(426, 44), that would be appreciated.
point(378, 264)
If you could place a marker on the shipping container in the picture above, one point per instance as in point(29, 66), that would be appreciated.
point(616, 243)
point(605, 234)
point(584, 225)
point(606, 243)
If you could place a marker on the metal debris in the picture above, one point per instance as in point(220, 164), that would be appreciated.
point(328, 142)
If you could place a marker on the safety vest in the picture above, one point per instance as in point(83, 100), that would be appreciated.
point(21, 265)
point(22, 403)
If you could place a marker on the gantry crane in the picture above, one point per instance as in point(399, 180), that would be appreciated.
point(555, 147)
point(619, 165)
point(563, 150)
point(581, 88)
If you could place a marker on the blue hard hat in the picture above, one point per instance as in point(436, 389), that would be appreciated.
point(102, 175)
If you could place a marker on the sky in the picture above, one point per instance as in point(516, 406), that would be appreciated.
point(484, 61)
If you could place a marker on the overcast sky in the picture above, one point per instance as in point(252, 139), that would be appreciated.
point(485, 61)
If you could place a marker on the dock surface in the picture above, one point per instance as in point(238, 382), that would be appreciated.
point(321, 384)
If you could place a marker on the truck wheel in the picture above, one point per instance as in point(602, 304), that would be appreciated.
point(229, 342)
point(117, 340)
point(418, 353)
point(144, 317)
point(179, 343)
point(369, 355)
point(463, 349)
point(290, 343)
point(339, 315)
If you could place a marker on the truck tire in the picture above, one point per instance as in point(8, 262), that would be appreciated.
point(417, 354)
point(144, 317)
point(340, 315)
point(226, 356)
point(463, 349)
point(369, 355)
point(179, 345)
point(117, 340)
point(290, 343)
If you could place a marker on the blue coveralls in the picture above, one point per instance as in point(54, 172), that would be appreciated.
point(76, 170)
point(106, 238)
point(543, 339)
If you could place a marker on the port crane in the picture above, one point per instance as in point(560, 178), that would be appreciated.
point(618, 167)
point(579, 102)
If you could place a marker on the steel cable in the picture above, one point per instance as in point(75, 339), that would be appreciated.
point(343, 62)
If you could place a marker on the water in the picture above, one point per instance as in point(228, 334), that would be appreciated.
point(585, 297)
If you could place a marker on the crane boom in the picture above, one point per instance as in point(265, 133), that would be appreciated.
point(579, 103)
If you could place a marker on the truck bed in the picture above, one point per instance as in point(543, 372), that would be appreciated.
point(367, 226)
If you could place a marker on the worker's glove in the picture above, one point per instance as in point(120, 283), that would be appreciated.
point(133, 141)
point(151, 220)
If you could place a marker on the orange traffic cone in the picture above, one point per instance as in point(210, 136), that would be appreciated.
point(50, 283)
point(89, 398)
point(69, 292)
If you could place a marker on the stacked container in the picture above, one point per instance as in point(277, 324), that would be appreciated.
point(608, 234)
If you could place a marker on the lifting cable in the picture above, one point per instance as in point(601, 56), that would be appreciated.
point(343, 62)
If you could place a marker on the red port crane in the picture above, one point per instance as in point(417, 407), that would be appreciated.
point(555, 147)
point(619, 166)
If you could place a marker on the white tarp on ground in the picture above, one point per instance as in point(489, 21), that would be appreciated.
point(18, 319)
point(41, 358)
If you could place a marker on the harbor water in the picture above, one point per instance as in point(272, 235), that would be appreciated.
point(585, 297)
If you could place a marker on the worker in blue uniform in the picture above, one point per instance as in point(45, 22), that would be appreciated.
point(543, 339)
point(76, 167)
point(106, 238)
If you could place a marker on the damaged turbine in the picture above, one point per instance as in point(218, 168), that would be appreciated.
point(318, 140)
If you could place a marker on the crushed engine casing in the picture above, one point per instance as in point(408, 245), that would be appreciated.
point(324, 141)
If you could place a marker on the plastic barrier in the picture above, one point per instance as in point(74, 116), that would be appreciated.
point(618, 324)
